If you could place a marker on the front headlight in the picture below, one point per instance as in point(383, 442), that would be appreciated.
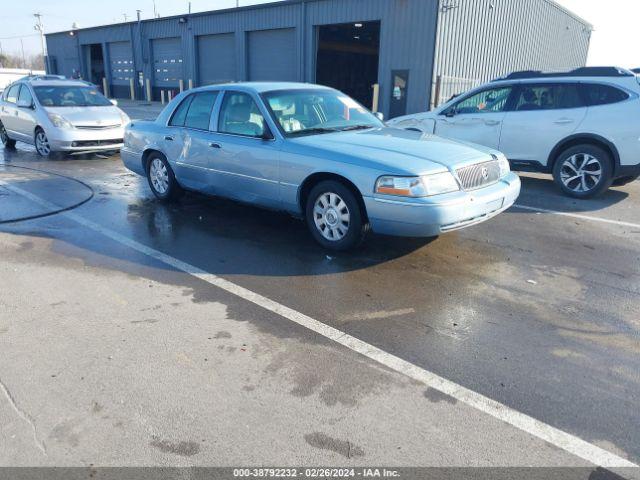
point(124, 118)
point(59, 121)
point(505, 168)
point(424, 186)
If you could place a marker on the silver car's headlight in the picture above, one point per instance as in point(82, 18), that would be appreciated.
point(505, 168)
point(424, 186)
point(124, 118)
point(59, 121)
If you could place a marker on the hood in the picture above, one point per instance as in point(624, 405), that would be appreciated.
point(89, 116)
point(404, 150)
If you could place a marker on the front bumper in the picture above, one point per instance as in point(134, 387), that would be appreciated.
point(79, 140)
point(433, 216)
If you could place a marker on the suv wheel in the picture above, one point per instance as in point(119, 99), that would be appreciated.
point(334, 216)
point(583, 171)
point(161, 179)
point(4, 137)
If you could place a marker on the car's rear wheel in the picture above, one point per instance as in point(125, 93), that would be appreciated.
point(4, 137)
point(334, 216)
point(161, 179)
point(622, 181)
point(583, 171)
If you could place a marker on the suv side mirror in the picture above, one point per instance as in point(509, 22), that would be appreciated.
point(114, 102)
point(379, 116)
point(450, 113)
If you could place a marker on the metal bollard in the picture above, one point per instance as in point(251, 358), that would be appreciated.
point(162, 97)
point(105, 87)
point(149, 90)
point(132, 89)
point(170, 95)
point(190, 84)
point(181, 85)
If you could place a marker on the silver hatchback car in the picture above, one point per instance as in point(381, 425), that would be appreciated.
point(59, 115)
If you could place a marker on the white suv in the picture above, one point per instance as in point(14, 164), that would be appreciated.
point(59, 115)
point(583, 126)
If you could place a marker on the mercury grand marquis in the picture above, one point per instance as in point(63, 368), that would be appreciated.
point(318, 154)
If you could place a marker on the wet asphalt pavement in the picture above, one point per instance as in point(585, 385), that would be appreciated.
point(538, 311)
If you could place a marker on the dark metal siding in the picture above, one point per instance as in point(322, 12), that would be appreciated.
point(217, 58)
point(272, 55)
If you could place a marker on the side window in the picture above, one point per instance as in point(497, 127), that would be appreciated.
point(25, 97)
point(12, 94)
point(180, 114)
point(240, 115)
point(199, 114)
point(596, 94)
point(487, 101)
point(549, 97)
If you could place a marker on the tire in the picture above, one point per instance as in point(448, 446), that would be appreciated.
point(161, 179)
point(4, 137)
point(622, 181)
point(575, 171)
point(41, 142)
point(334, 216)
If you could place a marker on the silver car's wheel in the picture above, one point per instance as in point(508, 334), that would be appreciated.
point(159, 176)
point(581, 172)
point(42, 144)
point(331, 216)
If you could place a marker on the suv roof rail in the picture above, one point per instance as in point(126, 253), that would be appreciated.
point(578, 72)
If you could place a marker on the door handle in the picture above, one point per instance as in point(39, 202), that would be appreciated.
point(563, 121)
point(215, 145)
point(168, 138)
point(492, 123)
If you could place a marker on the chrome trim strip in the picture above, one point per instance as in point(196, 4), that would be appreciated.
point(197, 167)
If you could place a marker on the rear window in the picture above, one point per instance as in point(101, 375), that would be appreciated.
point(550, 96)
point(596, 94)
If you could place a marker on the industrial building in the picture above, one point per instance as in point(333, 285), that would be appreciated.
point(394, 56)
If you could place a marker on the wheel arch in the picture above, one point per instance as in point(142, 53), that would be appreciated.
point(589, 139)
point(317, 177)
point(146, 154)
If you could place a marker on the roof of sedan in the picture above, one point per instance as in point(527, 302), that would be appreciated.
point(262, 87)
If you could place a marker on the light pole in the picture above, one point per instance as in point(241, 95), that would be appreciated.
point(40, 28)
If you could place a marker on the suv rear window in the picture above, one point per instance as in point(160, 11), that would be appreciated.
point(597, 94)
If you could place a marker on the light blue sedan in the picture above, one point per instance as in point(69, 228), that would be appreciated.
point(318, 154)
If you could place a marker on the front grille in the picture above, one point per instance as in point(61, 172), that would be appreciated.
point(97, 127)
point(97, 143)
point(479, 175)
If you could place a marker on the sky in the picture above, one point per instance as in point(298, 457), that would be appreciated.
point(614, 40)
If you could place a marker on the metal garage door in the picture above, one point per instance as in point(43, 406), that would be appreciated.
point(167, 62)
point(121, 68)
point(272, 55)
point(217, 58)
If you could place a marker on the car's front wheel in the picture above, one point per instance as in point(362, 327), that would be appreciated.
point(334, 216)
point(583, 171)
point(161, 178)
point(4, 137)
point(43, 147)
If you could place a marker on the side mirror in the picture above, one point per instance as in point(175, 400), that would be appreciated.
point(379, 116)
point(25, 104)
point(450, 113)
point(114, 102)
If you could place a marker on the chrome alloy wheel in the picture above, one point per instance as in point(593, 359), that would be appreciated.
point(159, 176)
point(331, 216)
point(42, 144)
point(581, 172)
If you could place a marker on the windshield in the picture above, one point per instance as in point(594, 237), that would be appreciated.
point(70, 96)
point(310, 112)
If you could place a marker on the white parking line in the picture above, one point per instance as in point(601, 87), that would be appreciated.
point(552, 435)
point(577, 215)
